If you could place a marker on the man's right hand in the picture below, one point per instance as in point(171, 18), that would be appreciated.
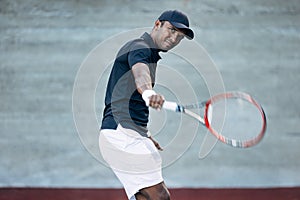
point(156, 101)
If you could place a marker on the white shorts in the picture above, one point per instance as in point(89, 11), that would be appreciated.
point(134, 159)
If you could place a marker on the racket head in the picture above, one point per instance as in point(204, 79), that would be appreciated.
point(236, 119)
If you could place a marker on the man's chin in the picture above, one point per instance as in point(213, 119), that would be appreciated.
point(165, 49)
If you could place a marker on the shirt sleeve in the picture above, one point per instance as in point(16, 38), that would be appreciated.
point(139, 54)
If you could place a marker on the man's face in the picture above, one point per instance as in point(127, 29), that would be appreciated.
point(165, 35)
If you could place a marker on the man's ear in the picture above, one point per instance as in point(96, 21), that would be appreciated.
point(157, 24)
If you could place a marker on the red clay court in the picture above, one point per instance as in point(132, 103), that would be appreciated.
point(176, 194)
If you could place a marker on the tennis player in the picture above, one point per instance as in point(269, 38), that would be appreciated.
point(125, 142)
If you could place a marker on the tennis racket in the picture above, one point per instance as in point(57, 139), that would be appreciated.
point(235, 118)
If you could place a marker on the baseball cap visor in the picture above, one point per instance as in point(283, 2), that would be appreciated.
point(186, 30)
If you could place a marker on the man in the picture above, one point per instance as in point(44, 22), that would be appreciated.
point(125, 142)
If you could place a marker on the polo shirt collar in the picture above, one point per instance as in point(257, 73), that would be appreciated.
point(146, 36)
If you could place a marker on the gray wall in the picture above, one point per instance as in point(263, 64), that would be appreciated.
point(254, 44)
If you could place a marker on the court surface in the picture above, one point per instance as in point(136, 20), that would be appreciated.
point(176, 194)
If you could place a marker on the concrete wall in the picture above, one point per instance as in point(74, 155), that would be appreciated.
point(254, 44)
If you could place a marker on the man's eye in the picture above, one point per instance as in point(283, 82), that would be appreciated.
point(172, 30)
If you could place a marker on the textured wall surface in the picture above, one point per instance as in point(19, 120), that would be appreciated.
point(254, 44)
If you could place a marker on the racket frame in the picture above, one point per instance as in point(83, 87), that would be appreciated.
point(186, 109)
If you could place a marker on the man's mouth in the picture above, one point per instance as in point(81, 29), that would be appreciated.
point(169, 44)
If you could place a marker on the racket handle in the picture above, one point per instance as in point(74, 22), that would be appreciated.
point(173, 106)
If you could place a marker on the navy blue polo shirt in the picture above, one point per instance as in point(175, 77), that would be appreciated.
point(123, 103)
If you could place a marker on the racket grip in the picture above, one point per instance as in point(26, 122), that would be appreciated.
point(168, 105)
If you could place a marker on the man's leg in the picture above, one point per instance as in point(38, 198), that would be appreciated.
point(156, 192)
point(139, 196)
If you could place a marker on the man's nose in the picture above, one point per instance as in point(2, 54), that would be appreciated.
point(174, 37)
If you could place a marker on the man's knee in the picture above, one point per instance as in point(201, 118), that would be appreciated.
point(164, 195)
point(158, 192)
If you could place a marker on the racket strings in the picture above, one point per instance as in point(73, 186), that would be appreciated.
point(235, 120)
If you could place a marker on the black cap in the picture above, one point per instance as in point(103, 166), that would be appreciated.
point(179, 20)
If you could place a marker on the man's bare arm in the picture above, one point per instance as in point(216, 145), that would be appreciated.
point(143, 83)
point(142, 77)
